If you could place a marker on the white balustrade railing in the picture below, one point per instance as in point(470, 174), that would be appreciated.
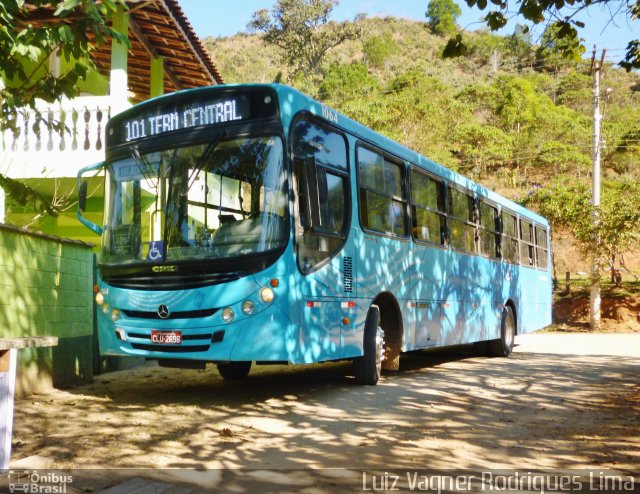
point(55, 140)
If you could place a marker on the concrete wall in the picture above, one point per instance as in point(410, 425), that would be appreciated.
point(46, 289)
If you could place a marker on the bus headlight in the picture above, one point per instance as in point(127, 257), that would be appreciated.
point(247, 307)
point(105, 309)
point(266, 294)
point(227, 314)
point(99, 298)
point(115, 315)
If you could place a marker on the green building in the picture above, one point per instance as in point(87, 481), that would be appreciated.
point(46, 269)
point(165, 56)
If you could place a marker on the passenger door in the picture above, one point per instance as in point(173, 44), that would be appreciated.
point(323, 253)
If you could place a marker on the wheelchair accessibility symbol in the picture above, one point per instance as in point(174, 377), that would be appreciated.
point(155, 251)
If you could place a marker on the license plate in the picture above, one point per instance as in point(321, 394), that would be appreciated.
point(166, 337)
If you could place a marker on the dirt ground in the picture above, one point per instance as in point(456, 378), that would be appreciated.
point(562, 401)
point(620, 305)
point(620, 313)
point(620, 309)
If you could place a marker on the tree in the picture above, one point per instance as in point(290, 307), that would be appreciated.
point(555, 51)
point(560, 157)
point(347, 80)
point(442, 15)
point(570, 206)
point(301, 29)
point(561, 13)
point(519, 45)
point(481, 147)
point(68, 33)
point(521, 104)
point(378, 49)
point(626, 154)
point(574, 91)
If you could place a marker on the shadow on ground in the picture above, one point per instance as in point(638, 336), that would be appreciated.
point(444, 410)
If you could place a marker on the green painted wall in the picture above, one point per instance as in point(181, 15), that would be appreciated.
point(29, 67)
point(95, 84)
point(66, 224)
point(46, 289)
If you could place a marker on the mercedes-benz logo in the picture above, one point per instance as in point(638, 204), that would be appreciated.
point(163, 311)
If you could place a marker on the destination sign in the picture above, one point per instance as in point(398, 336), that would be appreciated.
point(212, 108)
point(222, 112)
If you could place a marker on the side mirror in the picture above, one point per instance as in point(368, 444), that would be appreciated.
point(83, 187)
point(82, 195)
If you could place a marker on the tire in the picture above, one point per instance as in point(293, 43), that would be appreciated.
point(367, 368)
point(234, 370)
point(503, 346)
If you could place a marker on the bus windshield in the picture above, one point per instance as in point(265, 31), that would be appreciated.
point(215, 200)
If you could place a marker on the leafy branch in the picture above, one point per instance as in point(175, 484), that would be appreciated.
point(29, 35)
point(557, 13)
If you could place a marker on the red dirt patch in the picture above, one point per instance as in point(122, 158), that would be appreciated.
point(620, 314)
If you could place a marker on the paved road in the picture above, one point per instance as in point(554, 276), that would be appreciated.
point(561, 401)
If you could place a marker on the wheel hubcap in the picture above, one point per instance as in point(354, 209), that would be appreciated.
point(509, 331)
point(379, 349)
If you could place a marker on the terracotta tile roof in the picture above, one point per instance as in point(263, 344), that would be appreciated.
point(176, 10)
point(157, 28)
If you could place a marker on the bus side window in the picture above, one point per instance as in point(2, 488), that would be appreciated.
point(489, 227)
point(461, 221)
point(382, 204)
point(527, 255)
point(542, 249)
point(308, 195)
point(428, 209)
point(321, 198)
point(320, 164)
point(509, 240)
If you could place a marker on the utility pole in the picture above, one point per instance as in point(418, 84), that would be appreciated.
point(596, 275)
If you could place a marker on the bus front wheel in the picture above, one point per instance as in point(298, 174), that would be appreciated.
point(234, 370)
point(368, 367)
point(503, 346)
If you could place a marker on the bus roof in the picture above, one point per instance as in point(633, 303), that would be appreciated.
point(293, 101)
point(366, 134)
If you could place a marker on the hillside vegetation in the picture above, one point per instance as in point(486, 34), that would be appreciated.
point(507, 114)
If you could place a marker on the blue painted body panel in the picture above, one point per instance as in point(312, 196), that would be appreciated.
point(445, 297)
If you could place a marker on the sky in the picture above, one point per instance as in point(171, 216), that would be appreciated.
point(226, 17)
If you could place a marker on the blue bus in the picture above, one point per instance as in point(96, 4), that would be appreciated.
point(251, 223)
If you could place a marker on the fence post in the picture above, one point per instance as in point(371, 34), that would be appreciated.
point(8, 359)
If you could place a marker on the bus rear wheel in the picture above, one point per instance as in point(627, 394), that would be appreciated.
point(367, 368)
point(503, 346)
point(234, 370)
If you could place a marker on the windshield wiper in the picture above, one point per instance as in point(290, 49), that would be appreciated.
point(145, 167)
point(167, 205)
point(204, 157)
